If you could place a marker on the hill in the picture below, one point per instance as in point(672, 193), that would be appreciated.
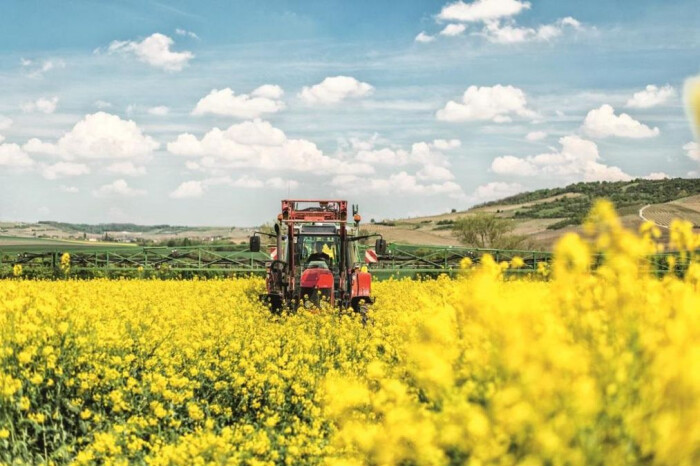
point(544, 215)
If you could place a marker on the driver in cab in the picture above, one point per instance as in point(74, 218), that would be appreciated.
point(321, 257)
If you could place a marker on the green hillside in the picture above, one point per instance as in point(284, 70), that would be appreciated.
point(628, 197)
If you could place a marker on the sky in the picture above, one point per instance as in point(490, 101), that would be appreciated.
point(210, 113)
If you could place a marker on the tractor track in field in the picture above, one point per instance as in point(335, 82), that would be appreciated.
point(641, 215)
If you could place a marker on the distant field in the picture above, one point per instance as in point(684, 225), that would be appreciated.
point(663, 214)
point(14, 243)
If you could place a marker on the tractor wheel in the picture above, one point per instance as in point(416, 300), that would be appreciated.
point(362, 308)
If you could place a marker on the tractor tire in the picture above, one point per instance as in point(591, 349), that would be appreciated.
point(361, 307)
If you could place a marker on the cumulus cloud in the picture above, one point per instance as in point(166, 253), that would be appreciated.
point(399, 183)
point(257, 144)
point(118, 188)
point(335, 89)
point(159, 110)
point(602, 122)
point(481, 10)
point(536, 135)
point(226, 102)
point(270, 91)
point(692, 150)
point(424, 38)
point(431, 163)
point(13, 157)
point(453, 30)
point(127, 168)
point(153, 50)
point(578, 160)
point(63, 170)
point(651, 96)
point(98, 136)
point(495, 190)
point(497, 103)
point(656, 176)
point(43, 105)
point(197, 188)
point(497, 21)
point(508, 32)
point(189, 189)
point(281, 184)
point(446, 144)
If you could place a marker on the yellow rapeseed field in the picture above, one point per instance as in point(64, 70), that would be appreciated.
point(585, 366)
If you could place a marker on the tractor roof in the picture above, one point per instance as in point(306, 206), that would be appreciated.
point(314, 210)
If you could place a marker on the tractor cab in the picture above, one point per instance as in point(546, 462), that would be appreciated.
point(317, 249)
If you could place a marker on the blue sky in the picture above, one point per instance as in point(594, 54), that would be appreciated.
point(211, 112)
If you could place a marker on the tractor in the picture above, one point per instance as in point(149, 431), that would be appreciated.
point(315, 257)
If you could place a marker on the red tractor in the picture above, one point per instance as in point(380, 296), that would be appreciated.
point(316, 257)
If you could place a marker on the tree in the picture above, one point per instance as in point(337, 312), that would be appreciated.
point(484, 230)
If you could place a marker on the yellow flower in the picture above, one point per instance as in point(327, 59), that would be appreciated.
point(37, 417)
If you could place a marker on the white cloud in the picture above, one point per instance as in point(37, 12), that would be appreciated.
point(43, 105)
point(651, 96)
point(257, 144)
point(2, 138)
point(497, 103)
point(127, 168)
point(99, 136)
point(424, 38)
point(118, 188)
point(35, 145)
point(13, 157)
point(64, 169)
point(446, 144)
point(155, 51)
point(602, 122)
point(384, 156)
point(577, 160)
point(190, 189)
point(38, 69)
point(69, 189)
point(499, 26)
point(495, 190)
point(159, 110)
point(511, 165)
point(5, 122)
point(481, 10)
point(197, 188)
point(246, 181)
point(270, 91)
point(508, 32)
point(434, 172)
point(398, 183)
point(656, 176)
point(335, 89)
point(536, 135)
point(281, 184)
point(100, 104)
point(225, 102)
point(183, 32)
point(692, 150)
point(452, 30)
